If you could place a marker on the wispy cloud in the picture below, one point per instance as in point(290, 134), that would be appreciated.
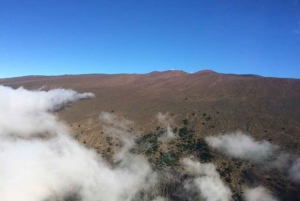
point(165, 121)
point(294, 171)
point(259, 193)
point(239, 145)
point(207, 181)
point(242, 146)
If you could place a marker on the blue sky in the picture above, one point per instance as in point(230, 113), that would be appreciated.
point(139, 36)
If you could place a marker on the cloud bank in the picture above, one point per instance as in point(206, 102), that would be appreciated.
point(26, 113)
point(39, 161)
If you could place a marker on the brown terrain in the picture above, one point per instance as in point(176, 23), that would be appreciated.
point(206, 103)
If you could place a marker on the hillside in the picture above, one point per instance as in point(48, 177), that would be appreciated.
point(193, 106)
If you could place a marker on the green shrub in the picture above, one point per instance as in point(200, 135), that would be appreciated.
point(237, 197)
point(185, 122)
point(208, 118)
point(228, 180)
point(183, 131)
point(203, 149)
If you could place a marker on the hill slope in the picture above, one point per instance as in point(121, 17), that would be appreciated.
point(204, 103)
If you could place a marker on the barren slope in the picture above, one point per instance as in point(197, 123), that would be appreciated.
point(212, 103)
point(258, 105)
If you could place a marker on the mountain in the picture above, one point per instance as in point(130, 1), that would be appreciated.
point(196, 105)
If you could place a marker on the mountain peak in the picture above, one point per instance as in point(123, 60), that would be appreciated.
point(205, 71)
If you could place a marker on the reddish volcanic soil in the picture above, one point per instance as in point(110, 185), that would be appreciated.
point(264, 107)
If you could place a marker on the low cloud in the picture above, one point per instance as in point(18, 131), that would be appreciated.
point(242, 146)
point(259, 194)
point(207, 182)
point(26, 113)
point(239, 145)
point(165, 121)
point(54, 169)
point(210, 187)
point(117, 122)
point(167, 135)
point(159, 199)
point(294, 171)
point(162, 117)
point(121, 129)
point(40, 161)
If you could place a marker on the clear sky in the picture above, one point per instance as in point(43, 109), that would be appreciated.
point(139, 36)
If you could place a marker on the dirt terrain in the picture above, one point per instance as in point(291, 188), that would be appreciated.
point(205, 103)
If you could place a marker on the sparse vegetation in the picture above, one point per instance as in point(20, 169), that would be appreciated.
point(208, 118)
point(108, 140)
point(183, 132)
point(185, 122)
point(169, 159)
point(218, 115)
point(237, 197)
point(203, 150)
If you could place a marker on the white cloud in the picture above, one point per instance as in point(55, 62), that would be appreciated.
point(118, 127)
point(169, 133)
point(294, 171)
point(162, 117)
point(207, 181)
point(40, 161)
point(165, 121)
point(258, 194)
point(239, 145)
point(55, 166)
point(159, 199)
point(26, 113)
